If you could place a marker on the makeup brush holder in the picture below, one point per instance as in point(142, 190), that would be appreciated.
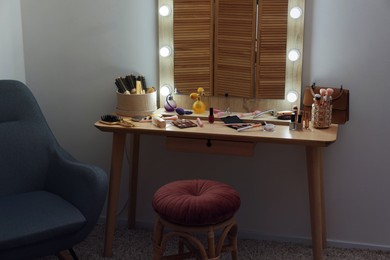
point(136, 104)
point(321, 115)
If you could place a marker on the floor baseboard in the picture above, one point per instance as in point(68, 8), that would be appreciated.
point(248, 234)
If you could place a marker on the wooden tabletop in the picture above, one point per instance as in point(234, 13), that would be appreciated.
point(219, 131)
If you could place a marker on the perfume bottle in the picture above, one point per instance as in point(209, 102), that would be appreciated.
point(199, 106)
point(170, 104)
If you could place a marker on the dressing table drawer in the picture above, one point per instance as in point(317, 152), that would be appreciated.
point(204, 145)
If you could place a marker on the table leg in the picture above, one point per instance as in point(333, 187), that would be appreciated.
point(118, 144)
point(133, 182)
point(316, 195)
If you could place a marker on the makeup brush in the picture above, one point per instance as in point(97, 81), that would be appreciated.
point(248, 127)
point(329, 93)
point(323, 95)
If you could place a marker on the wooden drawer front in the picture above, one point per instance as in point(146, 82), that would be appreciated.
point(179, 144)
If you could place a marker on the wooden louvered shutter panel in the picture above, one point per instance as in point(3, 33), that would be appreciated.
point(193, 43)
point(271, 56)
point(235, 32)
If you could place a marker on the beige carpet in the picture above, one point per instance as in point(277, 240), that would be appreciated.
point(137, 245)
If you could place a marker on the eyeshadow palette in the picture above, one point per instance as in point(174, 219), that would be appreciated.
point(184, 123)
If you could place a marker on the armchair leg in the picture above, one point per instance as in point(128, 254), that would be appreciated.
point(73, 253)
point(63, 255)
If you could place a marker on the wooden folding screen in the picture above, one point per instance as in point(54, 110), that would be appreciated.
point(271, 55)
point(234, 52)
point(193, 45)
point(215, 47)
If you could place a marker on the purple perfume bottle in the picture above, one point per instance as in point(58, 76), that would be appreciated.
point(170, 104)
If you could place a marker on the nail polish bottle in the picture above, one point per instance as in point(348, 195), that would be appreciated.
point(299, 125)
point(292, 124)
point(211, 115)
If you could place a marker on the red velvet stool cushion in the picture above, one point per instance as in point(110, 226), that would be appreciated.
point(196, 202)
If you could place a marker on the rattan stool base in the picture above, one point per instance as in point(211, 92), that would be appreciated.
point(190, 245)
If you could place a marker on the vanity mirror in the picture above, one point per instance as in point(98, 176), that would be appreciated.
point(247, 50)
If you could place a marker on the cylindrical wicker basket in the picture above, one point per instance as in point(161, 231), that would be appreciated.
point(136, 105)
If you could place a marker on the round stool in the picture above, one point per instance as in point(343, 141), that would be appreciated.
point(189, 208)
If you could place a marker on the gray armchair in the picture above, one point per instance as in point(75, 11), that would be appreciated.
point(49, 201)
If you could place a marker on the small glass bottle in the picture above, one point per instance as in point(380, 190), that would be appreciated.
point(211, 115)
point(199, 106)
point(170, 104)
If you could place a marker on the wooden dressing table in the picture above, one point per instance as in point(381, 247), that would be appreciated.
point(219, 135)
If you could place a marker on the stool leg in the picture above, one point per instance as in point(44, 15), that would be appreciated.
point(211, 241)
point(157, 238)
point(181, 246)
point(233, 241)
point(229, 232)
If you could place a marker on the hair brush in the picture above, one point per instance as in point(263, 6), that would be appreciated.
point(116, 120)
point(110, 118)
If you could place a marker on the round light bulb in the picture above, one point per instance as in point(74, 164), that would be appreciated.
point(165, 90)
point(293, 55)
point(165, 51)
point(164, 10)
point(295, 12)
point(292, 96)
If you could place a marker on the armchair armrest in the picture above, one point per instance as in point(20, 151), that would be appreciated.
point(83, 185)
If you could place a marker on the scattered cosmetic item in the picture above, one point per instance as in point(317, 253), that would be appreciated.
point(248, 127)
point(141, 118)
point(221, 113)
point(159, 122)
point(248, 114)
point(292, 124)
point(200, 123)
point(269, 127)
point(296, 123)
point(211, 116)
point(270, 111)
point(172, 118)
point(284, 114)
point(180, 111)
point(306, 119)
point(299, 125)
point(295, 109)
point(231, 120)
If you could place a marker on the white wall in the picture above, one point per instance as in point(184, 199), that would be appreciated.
point(11, 43)
point(75, 49)
point(349, 45)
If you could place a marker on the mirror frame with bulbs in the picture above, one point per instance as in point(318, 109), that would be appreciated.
point(294, 53)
